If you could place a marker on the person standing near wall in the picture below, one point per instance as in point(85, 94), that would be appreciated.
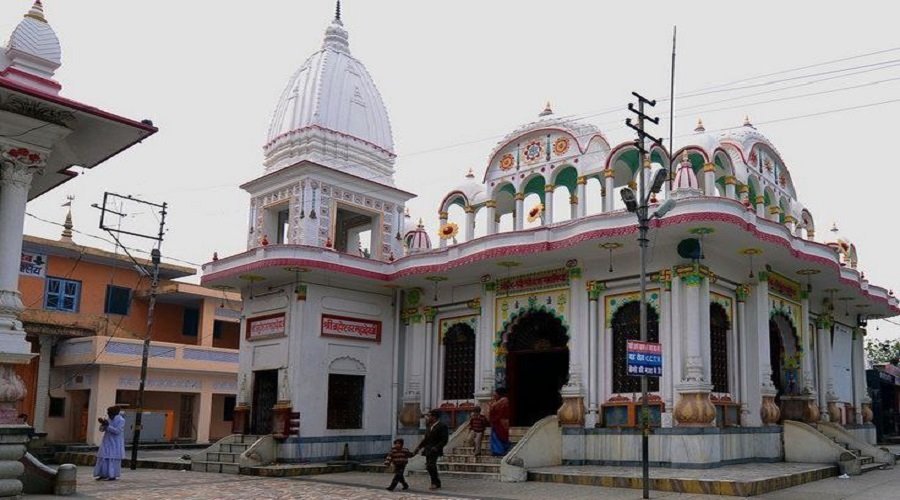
point(432, 446)
point(112, 448)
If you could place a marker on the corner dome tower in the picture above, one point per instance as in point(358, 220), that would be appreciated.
point(331, 113)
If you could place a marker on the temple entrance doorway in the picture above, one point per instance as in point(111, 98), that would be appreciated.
point(537, 366)
point(784, 357)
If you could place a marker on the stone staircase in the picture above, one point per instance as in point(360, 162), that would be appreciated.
point(461, 463)
point(224, 456)
point(865, 462)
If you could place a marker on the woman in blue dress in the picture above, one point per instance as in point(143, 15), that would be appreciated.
point(112, 448)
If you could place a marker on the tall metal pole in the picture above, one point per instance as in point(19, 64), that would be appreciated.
point(155, 258)
point(672, 112)
point(642, 243)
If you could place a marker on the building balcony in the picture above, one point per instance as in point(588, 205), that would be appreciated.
point(125, 352)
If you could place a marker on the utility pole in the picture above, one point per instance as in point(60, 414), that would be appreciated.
point(641, 210)
point(153, 272)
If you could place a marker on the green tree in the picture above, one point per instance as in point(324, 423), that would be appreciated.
point(883, 351)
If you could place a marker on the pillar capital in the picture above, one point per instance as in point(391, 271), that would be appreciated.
point(609, 173)
point(520, 196)
point(730, 180)
point(594, 289)
point(573, 199)
point(760, 199)
point(581, 180)
point(491, 204)
point(709, 167)
point(443, 214)
point(549, 188)
point(469, 209)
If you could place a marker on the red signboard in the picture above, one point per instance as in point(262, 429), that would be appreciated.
point(262, 327)
point(351, 328)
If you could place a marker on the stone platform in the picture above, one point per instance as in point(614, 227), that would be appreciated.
point(732, 480)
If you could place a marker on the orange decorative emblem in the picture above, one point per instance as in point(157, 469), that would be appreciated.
point(507, 162)
point(535, 212)
point(448, 230)
point(560, 146)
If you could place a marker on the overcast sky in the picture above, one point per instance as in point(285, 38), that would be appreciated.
point(209, 73)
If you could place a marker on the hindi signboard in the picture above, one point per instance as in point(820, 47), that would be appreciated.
point(644, 358)
point(261, 327)
point(33, 264)
point(351, 328)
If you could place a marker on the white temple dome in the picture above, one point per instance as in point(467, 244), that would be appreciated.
point(332, 100)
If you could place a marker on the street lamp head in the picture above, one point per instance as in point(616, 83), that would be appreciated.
point(629, 199)
point(664, 208)
point(659, 180)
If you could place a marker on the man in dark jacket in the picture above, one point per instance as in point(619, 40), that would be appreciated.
point(432, 445)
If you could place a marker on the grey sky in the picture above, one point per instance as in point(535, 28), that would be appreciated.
point(209, 74)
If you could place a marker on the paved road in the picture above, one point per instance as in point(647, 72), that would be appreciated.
point(150, 484)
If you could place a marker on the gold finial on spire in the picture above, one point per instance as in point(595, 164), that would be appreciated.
point(470, 174)
point(547, 110)
point(747, 121)
point(699, 127)
point(37, 12)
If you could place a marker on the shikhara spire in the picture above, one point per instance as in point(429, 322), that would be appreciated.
point(337, 12)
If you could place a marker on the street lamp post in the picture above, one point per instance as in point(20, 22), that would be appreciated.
point(639, 205)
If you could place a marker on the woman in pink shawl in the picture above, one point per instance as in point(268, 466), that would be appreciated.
point(112, 448)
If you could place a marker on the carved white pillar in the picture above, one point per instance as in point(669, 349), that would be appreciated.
point(572, 411)
point(548, 204)
point(470, 222)
point(42, 391)
point(519, 216)
point(744, 343)
point(442, 218)
point(729, 187)
point(761, 207)
point(17, 167)
point(709, 179)
point(591, 419)
point(667, 382)
point(486, 334)
point(694, 407)
point(826, 384)
point(491, 207)
point(609, 185)
point(580, 201)
point(809, 386)
point(858, 369)
point(744, 194)
point(775, 214)
point(770, 412)
point(427, 394)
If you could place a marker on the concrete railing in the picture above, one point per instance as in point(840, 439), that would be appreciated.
point(262, 452)
point(843, 437)
point(456, 440)
point(104, 350)
point(805, 444)
point(541, 446)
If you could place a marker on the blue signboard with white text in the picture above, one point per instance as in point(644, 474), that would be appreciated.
point(644, 358)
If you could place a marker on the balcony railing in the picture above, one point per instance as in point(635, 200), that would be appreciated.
point(127, 352)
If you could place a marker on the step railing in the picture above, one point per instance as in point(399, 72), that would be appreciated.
point(843, 437)
point(262, 452)
point(456, 440)
point(803, 443)
point(541, 446)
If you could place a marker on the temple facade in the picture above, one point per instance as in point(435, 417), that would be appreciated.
point(355, 323)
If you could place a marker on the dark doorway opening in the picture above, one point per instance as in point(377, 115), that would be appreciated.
point(265, 395)
point(537, 366)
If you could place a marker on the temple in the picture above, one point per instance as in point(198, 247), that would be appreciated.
point(354, 322)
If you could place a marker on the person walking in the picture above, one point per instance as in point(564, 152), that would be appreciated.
point(477, 424)
point(398, 457)
point(432, 445)
point(112, 448)
point(500, 423)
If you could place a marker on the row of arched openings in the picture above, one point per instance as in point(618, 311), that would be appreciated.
point(459, 352)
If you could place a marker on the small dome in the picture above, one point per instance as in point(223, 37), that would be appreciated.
point(333, 96)
point(33, 46)
point(581, 131)
point(417, 240)
point(471, 189)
